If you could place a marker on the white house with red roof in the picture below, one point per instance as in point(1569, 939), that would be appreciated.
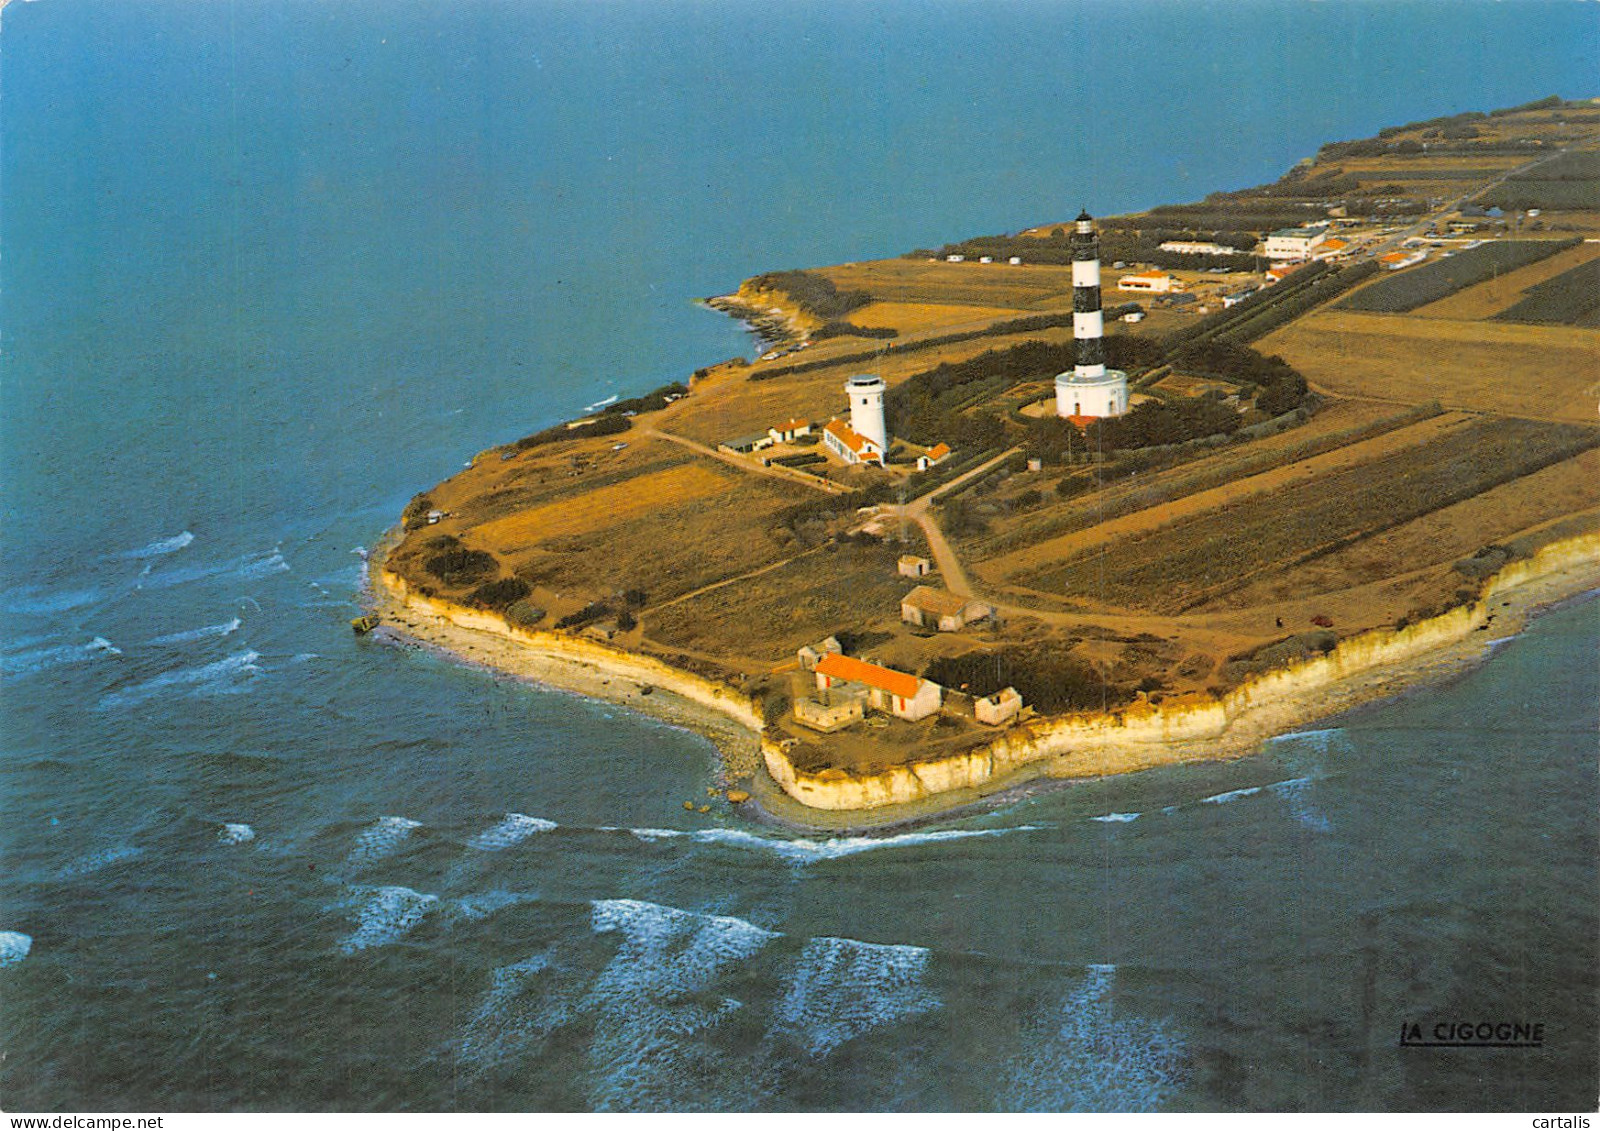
point(900, 693)
point(934, 455)
point(850, 445)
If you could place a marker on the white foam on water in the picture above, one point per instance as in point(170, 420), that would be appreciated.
point(160, 547)
point(34, 599)
point(1294, 793)
point(1083, 1056)
point(525, 1003)
point(481, 905)
point(1117, 818)
point(385, 914)
point(220, 675)
point(194, 635)
point(612, 399)
point(235, 833)
point(42, 659)
point(1231, 795)
point(94, 861)
point(842, 988)
point(250, 566)
point(14, 947)
point(381, 838)
point(811, 851)
point(655, 996)
point(512, 829)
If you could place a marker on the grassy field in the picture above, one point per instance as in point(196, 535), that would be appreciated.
point(1015, 288)
point(1407, 290)
point(1191, 561)
point(1489, 298)
point(1450, 533)
point(1219, 488)
point(603, 507)
point(1338, 424)
point(1571, 181)
point(671, 550)
point(1544, 372)
point(770, 616)
point(736, 407)
point(916, 317)
point(1570, 299)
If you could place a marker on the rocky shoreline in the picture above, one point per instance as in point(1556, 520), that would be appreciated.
point(776, 327)
point(1367, 668)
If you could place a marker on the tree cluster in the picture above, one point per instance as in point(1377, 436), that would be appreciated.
point(606, 424)
point(1154, 423)
point(651, 401)
point(812, 293)
point(1046, 679)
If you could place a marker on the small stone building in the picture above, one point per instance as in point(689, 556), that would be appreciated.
point(913, 566)
point(811, 653)
point(831, 710)
point(928, 607)
point(999, 708)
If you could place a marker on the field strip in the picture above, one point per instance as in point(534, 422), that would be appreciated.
point(606, 506)
point(1409, 326)
point(1488, 298)
point(1166, 513)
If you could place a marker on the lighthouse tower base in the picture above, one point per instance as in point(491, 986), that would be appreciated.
point(1102, 395)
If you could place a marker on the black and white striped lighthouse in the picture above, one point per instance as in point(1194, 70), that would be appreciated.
point(1090, 389)
point(1088, 326)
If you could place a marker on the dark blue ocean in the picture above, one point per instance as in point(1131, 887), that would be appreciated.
point(269, 269)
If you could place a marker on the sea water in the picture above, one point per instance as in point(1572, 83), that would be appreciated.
point(270, 270)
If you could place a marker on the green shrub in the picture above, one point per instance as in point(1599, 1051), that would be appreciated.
point(459, 566)
point(498, 594)
point(524, 613)
point(415, 515)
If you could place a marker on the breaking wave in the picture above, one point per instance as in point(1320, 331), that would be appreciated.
point(14, 947)
point(94, 861)
point(385, 914)
point(1294, 793)
point(812, 851)
point(160, 547)
point(249, 566)
point(220, 675)
point(1117, 818)
point(525, 1003)
point(512, 829)
point(24, 663)
point(33, 599)
point(1231, 795)
point(204, 632)
point(235, 833)
point(843, 988)
point(381, 838)
point(481, 905)
point(1082, 1056)
point(652, 1000)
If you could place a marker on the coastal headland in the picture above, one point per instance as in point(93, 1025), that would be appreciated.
point(1344, 472)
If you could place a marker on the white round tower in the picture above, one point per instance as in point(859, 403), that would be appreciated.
point(866, 408)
